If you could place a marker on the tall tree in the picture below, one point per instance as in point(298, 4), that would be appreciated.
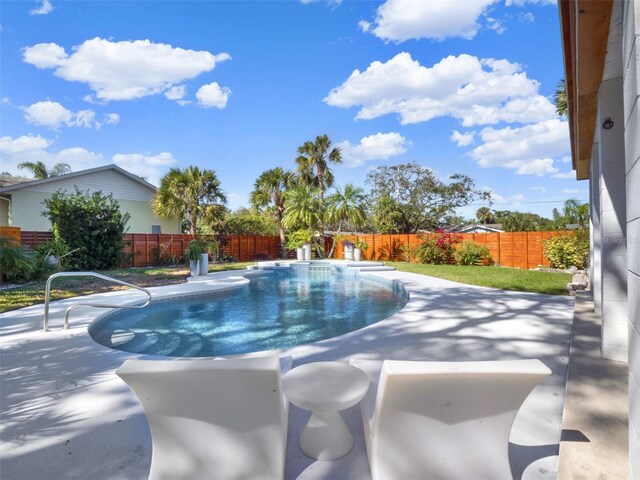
point(303, 209)
point(39, 169)
point(485, 215)
point(313, 163)
point(190, 193)
point(560, 98)
point(270, 189)
point(407, 198)
point(574, 212)
point(346, 206)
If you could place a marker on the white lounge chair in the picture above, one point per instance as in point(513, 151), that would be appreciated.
point(443, 420)
point(212, 419)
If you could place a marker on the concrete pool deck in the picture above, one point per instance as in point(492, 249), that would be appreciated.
point(65, 414)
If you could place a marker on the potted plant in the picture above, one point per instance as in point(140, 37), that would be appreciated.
point(358, 248)
point(194, 255)
point(348, 249)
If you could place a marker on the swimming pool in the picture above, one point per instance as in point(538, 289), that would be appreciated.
point(277, 309)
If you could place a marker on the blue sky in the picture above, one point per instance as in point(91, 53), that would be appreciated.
point(459, 87)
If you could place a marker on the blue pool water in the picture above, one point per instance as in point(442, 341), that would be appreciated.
point(277, 309)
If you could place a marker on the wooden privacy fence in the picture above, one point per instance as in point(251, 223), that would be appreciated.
point(508, 249)
point(147, 249)
point(11, 232)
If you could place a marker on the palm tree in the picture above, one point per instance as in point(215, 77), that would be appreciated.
point(313, 163)
point(346, 205)
point(40, 171)
point(302, 206)
point(192, 193)
point(485, 215)
point(560, 98)
point(576, 213)
point(270, 188)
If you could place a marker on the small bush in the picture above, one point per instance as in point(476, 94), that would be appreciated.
point(15, 263)
point(568, 250)
point(439, 250)
point(56, 248)
point(409, 252)
point(471, 253)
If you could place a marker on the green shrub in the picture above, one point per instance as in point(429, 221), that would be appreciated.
point(567, 251)
point(57, 248)
point(15, 263)
point(438, 250)
point(91, 225)
point(471, 253)
point(296, 238)
point(409, 252)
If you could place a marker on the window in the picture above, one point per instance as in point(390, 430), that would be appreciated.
point(156, 229)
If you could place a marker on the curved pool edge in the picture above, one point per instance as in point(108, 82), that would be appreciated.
point(223, 282)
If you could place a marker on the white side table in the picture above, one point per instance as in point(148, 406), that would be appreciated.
point(325, 388)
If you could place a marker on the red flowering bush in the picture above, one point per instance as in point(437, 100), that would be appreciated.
point(438, 249)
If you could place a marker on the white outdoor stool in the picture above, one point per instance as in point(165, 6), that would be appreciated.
point(325, 388)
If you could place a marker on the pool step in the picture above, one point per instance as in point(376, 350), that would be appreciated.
point(363, 266)
point(381, 268)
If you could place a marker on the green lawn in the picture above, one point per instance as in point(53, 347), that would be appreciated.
point(33, 293)
point(496, 277)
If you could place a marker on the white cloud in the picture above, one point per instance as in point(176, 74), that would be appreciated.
point(112, 119)
point(151, 167)
point(476, 91)
point(522, 3)
point(379, 146)
point(123, 70)
point(43, 9)
point(528, 17)
point(47, 114)
point(34, 148)
point(566, 159)
point(462, 139)
point(212, 95)
point(499, 199)
point(400, 20)
point(570, 190)
point(364, 25)
point(45, 55)
point(53, 115)
point(539, 189)
point(529, 150)
point(496, 25)
point(176, 92)
point(539, 167)
point(569, 174)
point(23, 144)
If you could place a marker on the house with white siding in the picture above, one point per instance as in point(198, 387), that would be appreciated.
point(601, 43)
point(21, 203)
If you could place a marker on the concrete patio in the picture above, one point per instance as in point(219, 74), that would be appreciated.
point(65, 414)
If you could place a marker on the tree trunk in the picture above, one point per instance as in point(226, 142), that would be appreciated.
point(282, 236)
point(333, 243)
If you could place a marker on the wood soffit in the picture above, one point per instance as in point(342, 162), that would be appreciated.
point(585, 30)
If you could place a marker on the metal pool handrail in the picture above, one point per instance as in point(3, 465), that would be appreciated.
point(47, 294)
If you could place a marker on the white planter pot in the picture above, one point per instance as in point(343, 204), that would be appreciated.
point(204, 264)
point(53, 261)
point(300, 253)
point(307, 251)
point(357, 254)
point(348, 253)
point(194, 267)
